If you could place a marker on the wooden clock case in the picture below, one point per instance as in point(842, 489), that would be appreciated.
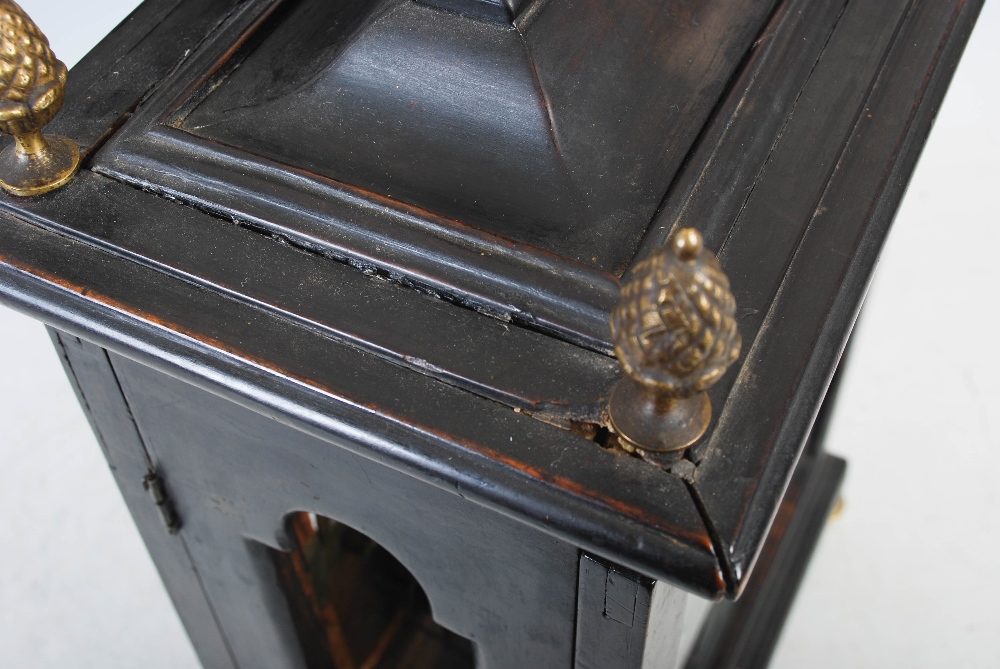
point(357, 260)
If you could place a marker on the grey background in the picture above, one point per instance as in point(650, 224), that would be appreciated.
point(903, 577)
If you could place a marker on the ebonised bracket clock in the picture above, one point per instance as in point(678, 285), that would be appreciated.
point(467, 333)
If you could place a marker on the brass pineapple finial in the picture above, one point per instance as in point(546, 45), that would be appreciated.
point(32, 85)
point(675, 334)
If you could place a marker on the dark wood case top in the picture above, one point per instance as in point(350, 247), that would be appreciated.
point(401, 226)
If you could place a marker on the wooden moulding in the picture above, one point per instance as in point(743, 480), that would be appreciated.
point(519, 184)
point(793, 180)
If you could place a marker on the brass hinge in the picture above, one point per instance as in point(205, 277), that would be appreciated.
point(153, 484)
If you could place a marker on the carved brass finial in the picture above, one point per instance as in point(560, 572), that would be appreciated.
point(675, 334)
point(32, 85)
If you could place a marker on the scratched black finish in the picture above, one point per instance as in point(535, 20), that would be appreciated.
point(720, 174)
point(519, 184)
point(123, 69)
point(833, 105)
point(757, 244)
point(488, 577)
point(551, 136)
point(538, 290)
point(517, 366)
point(743, 634)
point(612, 616)
point(489, 10)
point(89, 371)
point(615, 506)
point(804, 329)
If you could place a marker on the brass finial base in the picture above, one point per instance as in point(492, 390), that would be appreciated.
point(35, 164)
point(675, 334)
point(654, 422)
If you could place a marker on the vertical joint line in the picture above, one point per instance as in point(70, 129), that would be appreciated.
point(721, 552)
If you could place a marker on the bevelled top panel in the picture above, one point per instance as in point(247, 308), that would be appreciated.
point(502, 11)
point(513, 166)
point(559, 135)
